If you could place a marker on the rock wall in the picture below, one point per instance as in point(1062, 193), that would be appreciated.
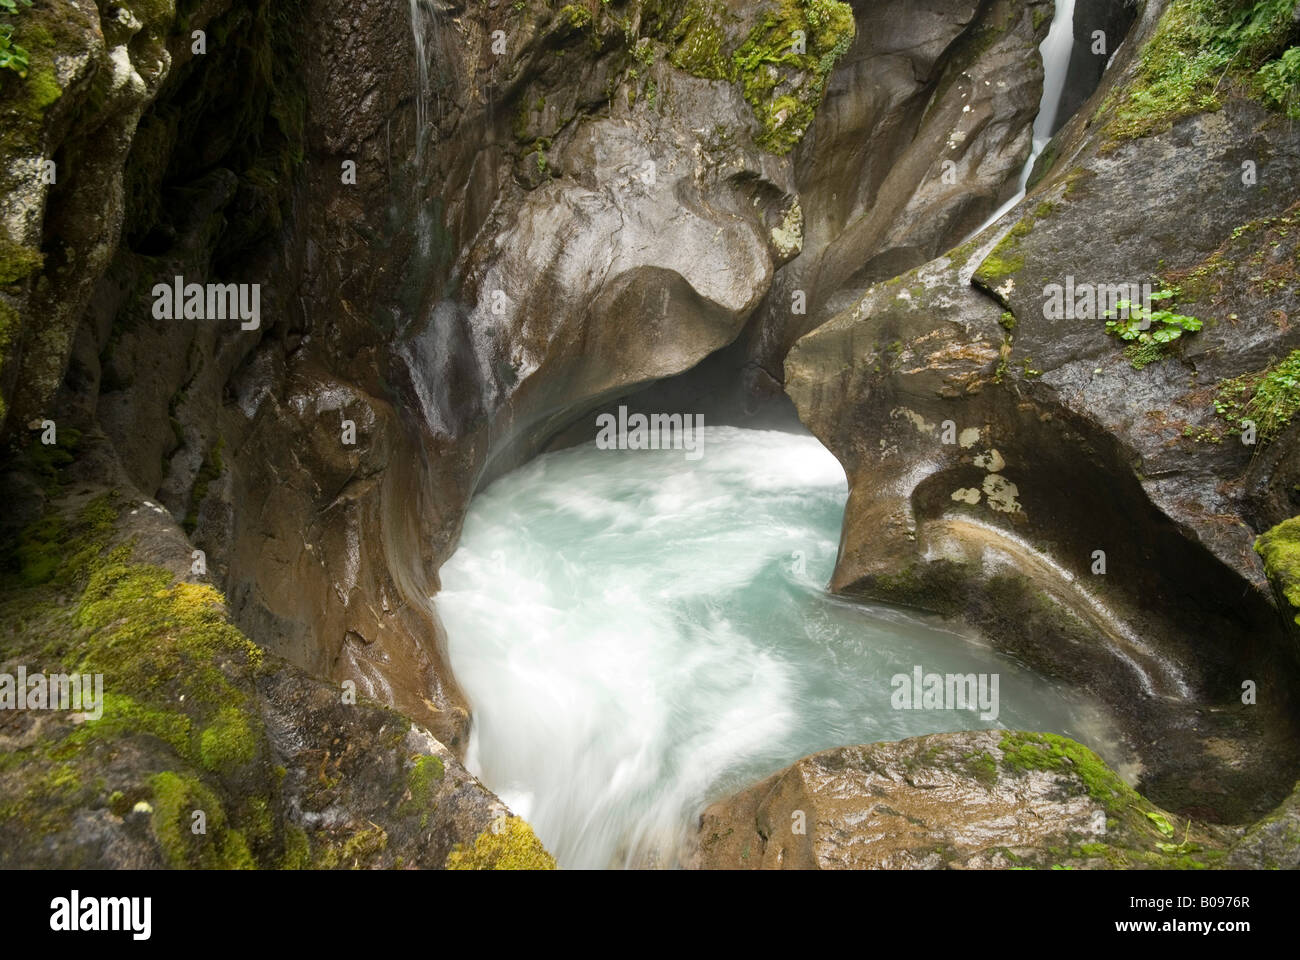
point(1086, 504)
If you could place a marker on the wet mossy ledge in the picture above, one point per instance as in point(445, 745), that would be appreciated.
point(186, 763)
point(1279, 548)
point(1138, 834)
point(1203, 51)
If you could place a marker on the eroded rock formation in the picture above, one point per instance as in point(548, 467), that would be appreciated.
point(476, 224)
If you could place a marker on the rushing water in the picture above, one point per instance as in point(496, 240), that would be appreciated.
point(640, 634)
point(1055, 50)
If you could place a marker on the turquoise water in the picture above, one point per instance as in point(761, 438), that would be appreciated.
point(640, 634)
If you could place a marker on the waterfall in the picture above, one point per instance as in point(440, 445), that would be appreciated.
point(421, 17)
point(424, 23)
point(1055, 50)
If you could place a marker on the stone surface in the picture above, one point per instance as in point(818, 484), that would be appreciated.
point(959, 801)
point(993, 451)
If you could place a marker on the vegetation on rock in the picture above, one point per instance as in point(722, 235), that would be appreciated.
point(1197, 47)
point(1280, 550)
point(1148, 331)
point(12, 56)
point(1268, 399)
point(782, 65)
point(515, 847)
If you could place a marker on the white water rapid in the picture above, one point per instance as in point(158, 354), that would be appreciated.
point(640, 634)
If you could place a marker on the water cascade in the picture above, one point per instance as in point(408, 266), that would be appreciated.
point(640, 633)
point(1055, 50)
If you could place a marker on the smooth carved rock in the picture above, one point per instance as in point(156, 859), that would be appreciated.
point(946, 801)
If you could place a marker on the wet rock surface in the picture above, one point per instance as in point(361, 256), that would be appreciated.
point(203, 751)
point(1020, 470)
point(960, 801)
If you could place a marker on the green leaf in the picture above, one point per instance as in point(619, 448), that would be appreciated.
point(1162, 823)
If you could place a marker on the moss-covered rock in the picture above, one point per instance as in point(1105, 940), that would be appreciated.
point(1201, 52)
point(204, 752)
point(513, 847)
point(1280, 550)
point(973, 800)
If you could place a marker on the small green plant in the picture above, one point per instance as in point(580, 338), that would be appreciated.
point(1268, 400)
point(577, 16)
point(1280, 81)
point(1162, 822)
point(12, 56)
point(1185, 847)
point(1148, 330)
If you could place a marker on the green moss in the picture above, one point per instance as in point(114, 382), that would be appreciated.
point(52, 549)
point(781, 85)
point(425, 773)
point(1048, 751)
point(359, 850)
point(42, 90)
point(173, 703)
point(297, 848)
point(47, 802)
point(422, 783)
point(982, 767)
point(516, 847)
point(175, 799)
point(575, 15)
point(228, 742)
point(698, 41)
point(1280, 550)
point(17, 262)
point(125, 716)
point(1200, 44)
point(1005, 259)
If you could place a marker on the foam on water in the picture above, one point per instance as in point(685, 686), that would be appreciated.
point(639, 634)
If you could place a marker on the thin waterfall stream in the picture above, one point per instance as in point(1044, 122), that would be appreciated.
point(1055, 50)
point(640, 633)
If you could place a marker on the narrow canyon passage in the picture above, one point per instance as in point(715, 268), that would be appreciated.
point(640, 633)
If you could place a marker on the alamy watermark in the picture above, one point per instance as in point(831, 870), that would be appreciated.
point(919, 690)
point(83, 693)
point(1097, 301)
point(655, 431)
point(212, 301)
point(75, 913)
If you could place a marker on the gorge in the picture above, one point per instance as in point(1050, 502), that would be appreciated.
point(359, 577)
